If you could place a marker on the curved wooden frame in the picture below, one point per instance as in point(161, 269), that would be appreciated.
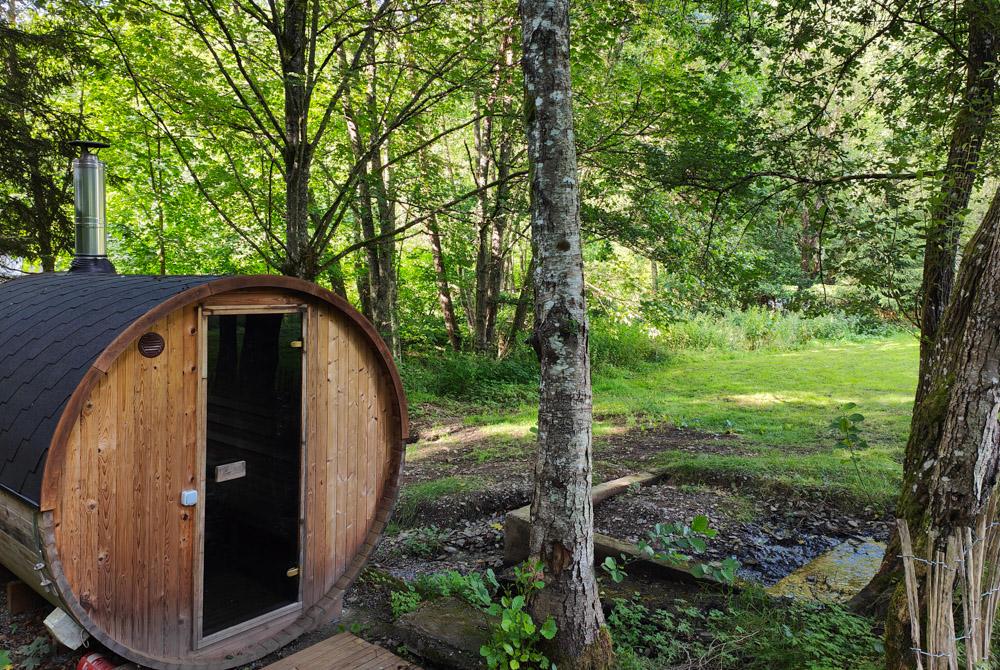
point(329, 605)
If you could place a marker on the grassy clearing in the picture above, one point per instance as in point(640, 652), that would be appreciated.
point(779, 402)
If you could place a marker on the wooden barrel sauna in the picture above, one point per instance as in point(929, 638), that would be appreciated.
point(194, 468)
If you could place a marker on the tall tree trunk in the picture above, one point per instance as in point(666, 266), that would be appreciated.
point(297, 151)
point(524, 301)
point(483, 132)
point(955, 434)
point(973, 120)
point(940, 253)
point(498, 231)
point(362, 282)
point(374, 208)
point(384, 293)
point(492, 160)
point(41, 215)
point(562, 528)
point(156, 186)
point(336, 273)
point(444, 288)
point(809, 239)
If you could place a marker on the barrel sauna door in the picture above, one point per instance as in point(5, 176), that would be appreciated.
point(251, 528)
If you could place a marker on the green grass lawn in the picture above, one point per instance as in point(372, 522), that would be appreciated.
point(780, 403)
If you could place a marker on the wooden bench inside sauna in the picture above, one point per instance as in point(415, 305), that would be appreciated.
point(195, 469)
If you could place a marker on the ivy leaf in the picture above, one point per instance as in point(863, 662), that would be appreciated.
point(700, 524)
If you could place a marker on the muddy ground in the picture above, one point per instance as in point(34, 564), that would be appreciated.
point(463, 530)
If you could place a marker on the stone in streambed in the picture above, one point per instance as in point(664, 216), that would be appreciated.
point(447, 632)
point(834, 576)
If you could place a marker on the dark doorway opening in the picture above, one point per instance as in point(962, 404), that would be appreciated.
point(253, 467)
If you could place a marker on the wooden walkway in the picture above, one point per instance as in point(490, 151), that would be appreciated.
point(342, 652)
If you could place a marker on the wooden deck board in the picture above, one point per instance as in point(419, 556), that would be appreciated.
point(343, 652)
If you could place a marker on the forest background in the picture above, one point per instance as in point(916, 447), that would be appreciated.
point(739, 161)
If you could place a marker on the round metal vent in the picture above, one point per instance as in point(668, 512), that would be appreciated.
point(151, 345)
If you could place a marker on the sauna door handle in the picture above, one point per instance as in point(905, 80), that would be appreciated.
point(229, 471)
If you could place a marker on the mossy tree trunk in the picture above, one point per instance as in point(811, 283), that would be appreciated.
point(562, 529)
point(954, 447)
point(972, 121)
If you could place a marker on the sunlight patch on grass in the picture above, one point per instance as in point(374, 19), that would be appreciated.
point(775, 398)
point(758, 399)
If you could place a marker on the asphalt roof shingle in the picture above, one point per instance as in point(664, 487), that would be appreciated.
point(52, 328)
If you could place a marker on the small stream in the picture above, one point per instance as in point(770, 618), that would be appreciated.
point(836, 575)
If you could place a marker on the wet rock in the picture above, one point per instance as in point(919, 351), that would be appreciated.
point(836, 575)
point(447, 632)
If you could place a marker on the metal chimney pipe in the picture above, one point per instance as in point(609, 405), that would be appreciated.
point(88, 197)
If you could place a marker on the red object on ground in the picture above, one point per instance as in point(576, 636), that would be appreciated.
point(95, 662)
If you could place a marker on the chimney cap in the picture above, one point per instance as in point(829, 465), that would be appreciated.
point(86, 145)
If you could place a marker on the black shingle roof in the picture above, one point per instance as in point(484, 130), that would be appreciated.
point(52, 328)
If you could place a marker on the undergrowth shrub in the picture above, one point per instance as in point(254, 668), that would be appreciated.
point(515, 636)
point(624, 345)
point(471, 378)
point(761, 328)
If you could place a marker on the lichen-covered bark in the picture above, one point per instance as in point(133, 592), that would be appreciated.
point(954, 447)
point(561, 511)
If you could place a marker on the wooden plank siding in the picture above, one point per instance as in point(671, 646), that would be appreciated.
point(128, 551)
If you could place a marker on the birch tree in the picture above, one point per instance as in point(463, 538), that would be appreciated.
point(562, 529)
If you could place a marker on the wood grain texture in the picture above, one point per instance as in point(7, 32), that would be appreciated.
point(342, 652)
point(120, 526)
point(122, 551)
point(19, 548)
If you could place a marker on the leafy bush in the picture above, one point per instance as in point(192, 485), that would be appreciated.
point(804, 636)
point(34, 654)
point(424, 542)
point(404, 602)
point(673, 542)
point(471, 378)
point(515, 640)
point(471, 588)
point(762, 328)
point(657, 639)
point(624, 345)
